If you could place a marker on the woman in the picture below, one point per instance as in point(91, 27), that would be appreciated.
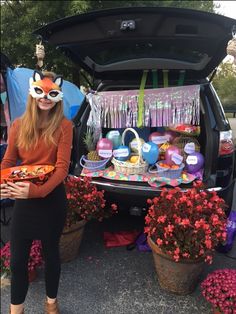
point(41, 136)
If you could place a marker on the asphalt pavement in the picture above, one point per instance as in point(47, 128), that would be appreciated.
point(115, 280)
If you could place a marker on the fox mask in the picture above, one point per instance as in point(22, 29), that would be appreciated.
point(43, 87)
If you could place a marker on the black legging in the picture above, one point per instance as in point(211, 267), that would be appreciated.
point(20, 249)
point(39, 218)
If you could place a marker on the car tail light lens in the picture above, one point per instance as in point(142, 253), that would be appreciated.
point(226, 145)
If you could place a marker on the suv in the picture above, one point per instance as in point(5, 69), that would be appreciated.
point(115, 46)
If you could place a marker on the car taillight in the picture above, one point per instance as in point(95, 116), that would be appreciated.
point(226, 145)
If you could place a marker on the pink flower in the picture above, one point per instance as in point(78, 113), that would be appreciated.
point(159, 242)
point(199, 208)
point(208, 243)
point(183, 199)
point(176, 258)
point(200, 223)
point(169, 228)
point(177, 251)
point(161, 219)
point(185, 222)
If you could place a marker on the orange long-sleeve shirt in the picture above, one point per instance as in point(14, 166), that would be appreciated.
point(57, 155)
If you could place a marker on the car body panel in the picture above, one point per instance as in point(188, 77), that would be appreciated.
point(104, 44)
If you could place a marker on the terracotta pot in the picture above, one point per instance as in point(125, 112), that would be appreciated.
point(32, 275)
point(70, 241)
point(177, 277)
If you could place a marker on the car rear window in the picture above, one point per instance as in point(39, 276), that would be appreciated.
point(105, 53)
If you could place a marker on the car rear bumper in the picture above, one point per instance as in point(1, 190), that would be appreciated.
point(128, 189)
point(133, 189)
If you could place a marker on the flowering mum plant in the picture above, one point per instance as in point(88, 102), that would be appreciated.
point(219, 288)
point(186, 225)
point(85, 201)
point(35, 257)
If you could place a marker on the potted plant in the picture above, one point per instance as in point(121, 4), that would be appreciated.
point(219, 288)
point(85, 202)
point(183, 229)
point(35, 260)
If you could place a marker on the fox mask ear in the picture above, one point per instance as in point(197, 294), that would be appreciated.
point(58, 80)
point(37, 76)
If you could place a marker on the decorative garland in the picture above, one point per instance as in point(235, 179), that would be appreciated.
point(157, 108)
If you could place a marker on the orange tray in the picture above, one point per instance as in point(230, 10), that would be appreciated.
point(27, 173)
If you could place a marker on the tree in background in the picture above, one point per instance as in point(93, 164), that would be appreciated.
point(225, 83)
point(99, 5)
point(19, 18)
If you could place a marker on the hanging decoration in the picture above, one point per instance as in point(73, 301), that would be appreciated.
point(161, 107)
point(231, 48)
point(40, 54)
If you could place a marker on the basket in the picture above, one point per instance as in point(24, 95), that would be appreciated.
point(181, 141)
point(167, 172)
point(93, 165)
point(188, 132)
point(129, 168)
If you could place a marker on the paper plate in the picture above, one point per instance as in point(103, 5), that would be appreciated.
point(37, 173)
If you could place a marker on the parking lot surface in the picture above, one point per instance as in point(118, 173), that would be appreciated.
point(115, 280)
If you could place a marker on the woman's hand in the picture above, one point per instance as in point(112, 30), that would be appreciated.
point(4, 190)
point(18, 189)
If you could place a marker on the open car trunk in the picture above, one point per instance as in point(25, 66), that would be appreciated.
point(136, 193)
point(116, 46)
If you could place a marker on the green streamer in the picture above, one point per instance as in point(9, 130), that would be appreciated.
point(165, 78)
point(181, 78)
point(154, 79)
point(141, 99)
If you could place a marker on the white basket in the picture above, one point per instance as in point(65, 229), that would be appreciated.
point(128, 168)
point(169, 173)
point(93, 165)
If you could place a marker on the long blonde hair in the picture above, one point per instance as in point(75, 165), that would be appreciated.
point(30, 130)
